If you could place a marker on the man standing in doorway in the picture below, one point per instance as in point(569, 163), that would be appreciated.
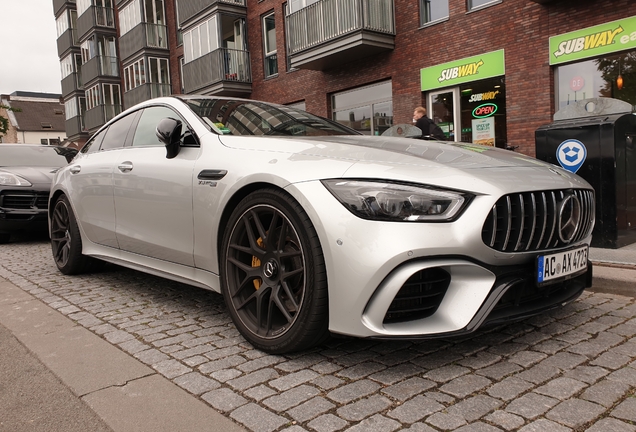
point(427, 126)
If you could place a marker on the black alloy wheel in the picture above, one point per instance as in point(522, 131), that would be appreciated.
point(273, 273)
point(66, 243)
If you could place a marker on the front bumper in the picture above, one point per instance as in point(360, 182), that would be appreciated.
point(369, 263)
point(23, 210)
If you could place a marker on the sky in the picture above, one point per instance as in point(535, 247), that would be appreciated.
point(29, 47)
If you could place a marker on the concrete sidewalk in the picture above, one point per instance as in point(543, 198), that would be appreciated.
point(58, 376)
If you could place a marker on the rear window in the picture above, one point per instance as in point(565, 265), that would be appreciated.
point(35, 156)
point(239, 117)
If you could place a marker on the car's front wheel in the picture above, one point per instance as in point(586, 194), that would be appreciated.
point(66, 242)
point(273, 273)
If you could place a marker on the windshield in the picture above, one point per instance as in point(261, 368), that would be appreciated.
point(241, 117)
point(35, 156)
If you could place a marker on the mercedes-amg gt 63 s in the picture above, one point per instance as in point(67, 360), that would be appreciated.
point(309, 228)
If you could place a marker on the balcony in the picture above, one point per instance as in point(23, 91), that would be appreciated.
point(191, 8)
point(66, 41)
point(144, 92)
point(220, 72)
point(100, 66)
point(74, 128)
point(142, 36)
point(95, 16)
point(329, 33)
point(99, 115)
point(71, 83)
point(59, 4)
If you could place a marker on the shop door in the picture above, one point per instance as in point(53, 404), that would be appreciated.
point(443, 108)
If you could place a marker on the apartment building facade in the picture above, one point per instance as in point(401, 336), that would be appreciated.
point(488, 71)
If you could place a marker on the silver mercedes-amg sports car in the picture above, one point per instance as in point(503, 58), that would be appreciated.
point(308, 228)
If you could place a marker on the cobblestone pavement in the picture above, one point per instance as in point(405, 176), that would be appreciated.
point(570, 370)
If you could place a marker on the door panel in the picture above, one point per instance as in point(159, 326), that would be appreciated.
point(153, 195)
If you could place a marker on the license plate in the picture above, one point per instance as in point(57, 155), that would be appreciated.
point(561, 264)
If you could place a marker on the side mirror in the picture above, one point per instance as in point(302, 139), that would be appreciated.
point(169, 133)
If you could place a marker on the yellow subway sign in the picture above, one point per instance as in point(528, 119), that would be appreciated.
point(593, 41)
point(475, 68)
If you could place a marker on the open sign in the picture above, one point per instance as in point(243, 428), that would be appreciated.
point(485, 110)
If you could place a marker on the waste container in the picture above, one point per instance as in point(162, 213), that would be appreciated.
point(596, 139)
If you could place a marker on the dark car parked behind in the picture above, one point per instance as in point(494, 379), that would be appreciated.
point(26, 172)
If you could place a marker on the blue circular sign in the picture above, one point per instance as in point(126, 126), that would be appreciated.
point(571, 154)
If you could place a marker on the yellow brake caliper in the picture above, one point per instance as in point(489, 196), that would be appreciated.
point(257, 263)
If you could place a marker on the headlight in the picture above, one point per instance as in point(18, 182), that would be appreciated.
point(378, 200)
point(12, 180)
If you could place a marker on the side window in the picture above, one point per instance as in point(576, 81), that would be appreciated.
point(93, 144)
point(117, 133)
point(145, 135)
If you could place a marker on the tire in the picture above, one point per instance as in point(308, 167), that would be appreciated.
point(66, 242)
point(273, 274)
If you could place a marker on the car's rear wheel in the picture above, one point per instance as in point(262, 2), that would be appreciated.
point(273, 273)
point(66, 242)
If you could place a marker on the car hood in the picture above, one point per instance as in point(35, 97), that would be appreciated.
point(389, 150)
point(464, 166)
point(33, 174)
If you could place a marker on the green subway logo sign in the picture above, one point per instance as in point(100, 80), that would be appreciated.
point(593, 41)
point(474, 68)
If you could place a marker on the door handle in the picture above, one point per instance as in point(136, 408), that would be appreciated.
point(75, 169)
point(125, 167)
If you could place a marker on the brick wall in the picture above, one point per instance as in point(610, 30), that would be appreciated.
point(521, 27)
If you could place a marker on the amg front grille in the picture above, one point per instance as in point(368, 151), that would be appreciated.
point(24, 200)
point(419, 297)
point(529, 221)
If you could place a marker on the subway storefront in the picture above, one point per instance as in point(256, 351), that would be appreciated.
point(467, 98)
point(598, 61)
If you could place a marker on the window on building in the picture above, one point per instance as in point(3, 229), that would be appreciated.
point(134, 75)
point(44, 141)
point(476, 4)
point(201, 40)
point(62, 24)
point(597, 78)
point(158, 70)
point(92, 97)
point(112, 100)
point(269, 43)
point(82, 6)
point(432, 11)
point(367, 109)
point(67, 65)
point(98, 45)
point(129, 17)
point(296, 5)
point(154, 12)
point(70, 108)
point(178, 23)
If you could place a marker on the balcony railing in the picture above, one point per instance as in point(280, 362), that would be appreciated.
point(67, 40)
point(100, 66)
point(190, 8)
point(326, 20)
point(99, 115)
point(143, 35)
point(71, 83)
point(95, 16)
point(74, 127)
point(144, 92)
point(219, 65)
